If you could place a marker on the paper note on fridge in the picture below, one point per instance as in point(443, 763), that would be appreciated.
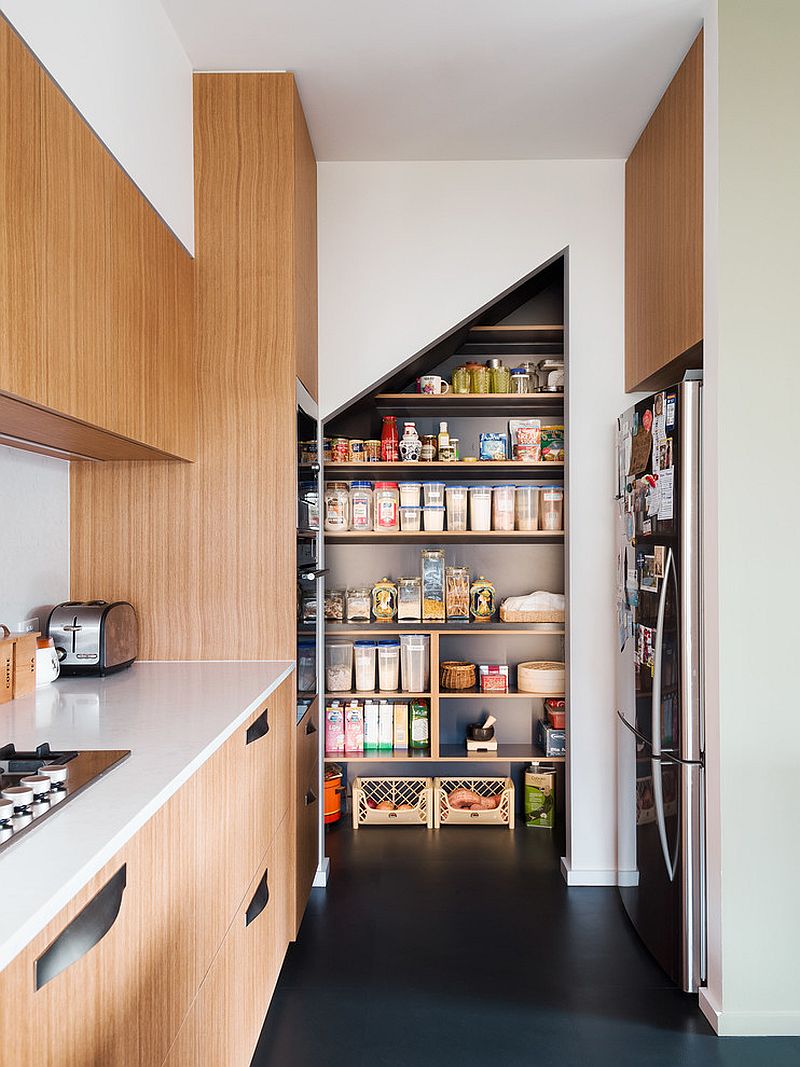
point(666, 480)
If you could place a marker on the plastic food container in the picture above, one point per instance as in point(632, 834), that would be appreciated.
point(457, 497)
point(434, 518)
point(526, 507)
point(415, 662)
point(306, 666)
point(389, 666)
point(361, 506)
point(410, 519)
point(410, 494)
point(551, 508)
point(503, 507)
point(338, 666)
point(433, 493)
point(480, 506)
point(387, 506)
point(337, 507)
point(364, 654)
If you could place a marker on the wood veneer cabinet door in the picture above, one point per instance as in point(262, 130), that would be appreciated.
point(307, 808)
point(224, 1022)
point(305, 251)
point(664, 234)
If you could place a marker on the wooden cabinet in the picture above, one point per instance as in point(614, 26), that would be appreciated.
point(96, 293)
point(307, 805)
point(177, 956)
point(664, 235)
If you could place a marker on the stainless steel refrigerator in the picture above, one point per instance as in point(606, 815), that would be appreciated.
point(660, 787)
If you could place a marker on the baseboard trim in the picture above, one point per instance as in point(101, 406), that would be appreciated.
point(749, 1023)
point(323, 872)
point(586, 878)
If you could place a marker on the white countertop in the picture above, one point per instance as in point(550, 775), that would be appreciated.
point(172, 716)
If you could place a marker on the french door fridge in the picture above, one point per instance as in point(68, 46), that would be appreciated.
point(659, 675)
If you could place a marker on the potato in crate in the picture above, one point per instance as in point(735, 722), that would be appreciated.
point(387, 801)
point(476, 801)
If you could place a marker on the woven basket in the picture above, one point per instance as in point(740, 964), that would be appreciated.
point(530, 616)
point(457, 675)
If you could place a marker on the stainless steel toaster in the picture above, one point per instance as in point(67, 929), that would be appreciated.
point(93, 636)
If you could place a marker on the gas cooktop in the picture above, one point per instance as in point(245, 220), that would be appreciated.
point(34, 784)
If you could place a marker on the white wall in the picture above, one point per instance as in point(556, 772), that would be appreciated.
point(123, 67)
point(752, 606)
point(407, 250)
point(34, 535)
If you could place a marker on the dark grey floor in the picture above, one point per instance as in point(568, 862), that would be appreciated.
point(464, 947)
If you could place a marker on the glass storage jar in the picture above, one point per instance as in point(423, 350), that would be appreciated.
point(387, 506)
point(499, 378)
point(334, 605)
point(337, 507)
point(457, 594)
point(520, 380)
point(409, 600)
point(339, 666)
point(478, 378)
point(461, 380)
point(432, 585)
point(358, 605)
point(361, 506)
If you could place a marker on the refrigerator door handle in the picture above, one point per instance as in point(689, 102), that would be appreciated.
point(671, 862)
point(639, 736)
point(658, 652)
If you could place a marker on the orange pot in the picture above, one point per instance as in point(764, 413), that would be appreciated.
point(334, 790)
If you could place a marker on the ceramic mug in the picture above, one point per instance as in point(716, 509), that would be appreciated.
point(47, 666)
point(433, 385)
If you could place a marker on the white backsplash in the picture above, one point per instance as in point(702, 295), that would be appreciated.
point(34, 534)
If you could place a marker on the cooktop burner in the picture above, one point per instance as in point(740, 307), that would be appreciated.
point(33, 784)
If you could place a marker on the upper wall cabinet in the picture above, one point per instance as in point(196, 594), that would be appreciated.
point(664, 235)
point(96, 312)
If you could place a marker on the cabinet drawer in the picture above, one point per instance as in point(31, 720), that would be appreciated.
point(224, 1022)
point(307, 803)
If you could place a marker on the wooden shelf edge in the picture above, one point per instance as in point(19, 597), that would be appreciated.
point(514, 694)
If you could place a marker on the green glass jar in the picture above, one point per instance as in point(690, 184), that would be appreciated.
point(461, 380)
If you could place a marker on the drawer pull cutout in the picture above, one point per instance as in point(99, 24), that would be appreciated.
point(310, 797)
point(88, 928)
point(310, 728)
point(260, 728)
point(259, 901)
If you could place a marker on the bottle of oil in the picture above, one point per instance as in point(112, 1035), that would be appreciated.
point(444, 448)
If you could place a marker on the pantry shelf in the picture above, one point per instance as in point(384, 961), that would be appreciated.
point(464, 629)
point(451, 405)
point(510, 753)
point(372, 756)
point(460, 470)
point(393, 695)
point(513, 694)
point(471, 537)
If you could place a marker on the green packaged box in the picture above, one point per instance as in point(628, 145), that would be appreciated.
point(540, 797)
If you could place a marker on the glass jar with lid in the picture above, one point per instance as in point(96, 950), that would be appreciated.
point(337, 507)
point(461, 380)
point(457, 594)
point(361, 516)
point(432, 585)
point(520, 380)
point(387, 506)
point(358, 604)
point(409, 600)
point(482, 600)
point(384, 600)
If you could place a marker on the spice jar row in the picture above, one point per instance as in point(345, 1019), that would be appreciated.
point(385, 666)
point(435, 506)
point(439, 593)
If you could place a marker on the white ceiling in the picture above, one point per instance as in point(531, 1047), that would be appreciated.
point(455, 79)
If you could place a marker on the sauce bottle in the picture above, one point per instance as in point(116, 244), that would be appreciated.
point(389, 443)
point(444, 449)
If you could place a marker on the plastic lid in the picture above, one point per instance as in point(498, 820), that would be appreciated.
point(519, 370)
point(361, 485)
point(364, 644)
point(306, 644)
point(386, 485)
point(488, 488)
point(504, 485)
point(435, 483)
point(433, 507)
point(410, 507)
point(389, 644)
point(409, 485)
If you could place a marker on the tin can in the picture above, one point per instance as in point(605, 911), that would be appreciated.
point(428, 453)
point(340, 450)
point(372, 447)
point(327, 449)
point(357, 452)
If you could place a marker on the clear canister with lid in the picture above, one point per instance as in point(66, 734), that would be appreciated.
point(364, 655)
point(526, 507)
point(551, 507)
point(457, 497)
point(410, 494)
point(387, 506)
point(410, 519)
point(433, 518)
point(339, 666)
point(389, 665)
point(480, 507)
point(337, 507)
point(503, 507)
point(433, 494)
point(520, 380)
point(361, 517)
point(306, 666)
point(415, 662)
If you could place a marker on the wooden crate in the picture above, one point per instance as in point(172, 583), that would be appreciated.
point(415, 791)
point(503, 815)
